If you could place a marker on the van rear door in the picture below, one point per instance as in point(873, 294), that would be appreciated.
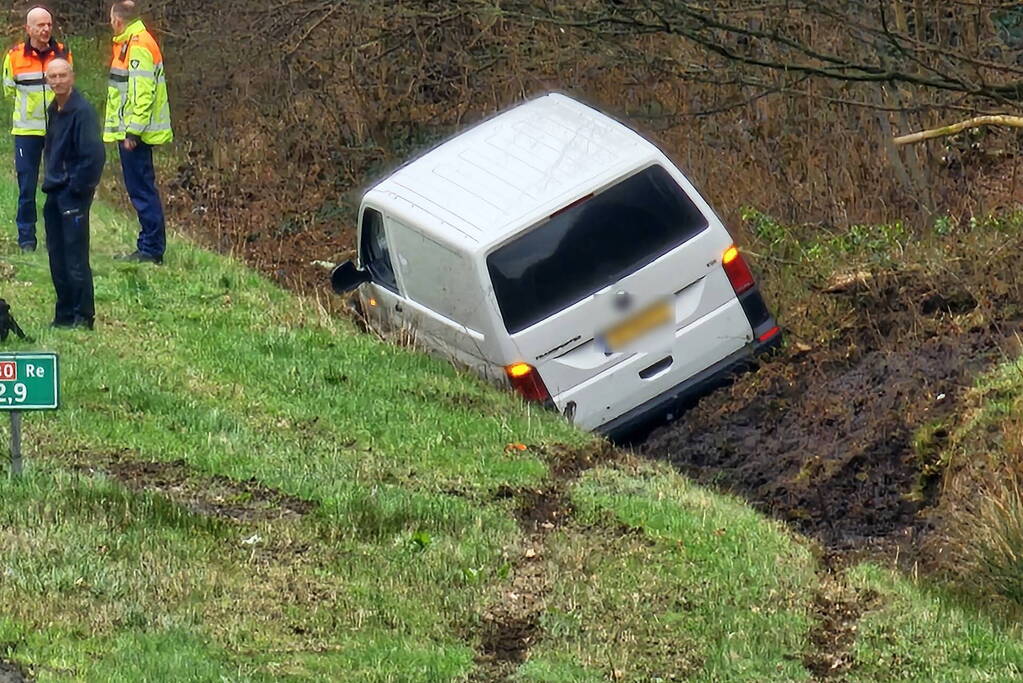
point(615, 280)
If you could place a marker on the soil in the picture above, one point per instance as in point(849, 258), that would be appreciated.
point(510, 626)
point(837, 611)
point(829, 440)
point(216, 496)
point(828, 449)
point(10, 673)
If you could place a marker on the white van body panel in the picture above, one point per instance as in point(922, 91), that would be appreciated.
point(484, 189)
point(492, 181)
point(468, 342)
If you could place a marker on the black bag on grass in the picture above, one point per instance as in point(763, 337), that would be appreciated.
point(8, 324)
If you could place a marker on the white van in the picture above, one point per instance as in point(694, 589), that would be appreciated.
point(556, 250)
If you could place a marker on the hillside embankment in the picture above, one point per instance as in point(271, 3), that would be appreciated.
point(846, 434)
point(241, 487)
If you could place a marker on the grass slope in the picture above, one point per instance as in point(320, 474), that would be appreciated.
point(239, 487)
point(206, 368)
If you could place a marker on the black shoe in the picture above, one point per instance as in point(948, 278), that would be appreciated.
point(27, 248)
point(83, 324)
point(141, 257)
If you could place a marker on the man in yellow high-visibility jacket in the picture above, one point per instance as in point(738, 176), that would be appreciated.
point(24, 83)
point(138, 119)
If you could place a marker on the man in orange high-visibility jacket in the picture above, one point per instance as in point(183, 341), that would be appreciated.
point(24, 83)
point(138, 118)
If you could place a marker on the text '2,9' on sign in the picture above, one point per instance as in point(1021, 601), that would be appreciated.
point(29, 381)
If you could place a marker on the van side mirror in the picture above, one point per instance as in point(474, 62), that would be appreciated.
point(346, 277)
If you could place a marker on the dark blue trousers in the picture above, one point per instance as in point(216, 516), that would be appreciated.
point(67, 242)
point(28, 153)
point(140, 181)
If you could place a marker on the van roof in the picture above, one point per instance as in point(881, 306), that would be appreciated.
point(513, 170)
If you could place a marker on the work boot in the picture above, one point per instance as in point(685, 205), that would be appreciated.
point(140, 257)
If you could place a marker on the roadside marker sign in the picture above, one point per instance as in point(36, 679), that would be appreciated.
point(28, 381)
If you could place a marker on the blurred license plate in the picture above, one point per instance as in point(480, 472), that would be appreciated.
point(657, 316)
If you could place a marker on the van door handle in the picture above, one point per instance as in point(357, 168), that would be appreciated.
point(657, 368)
point(398, 308)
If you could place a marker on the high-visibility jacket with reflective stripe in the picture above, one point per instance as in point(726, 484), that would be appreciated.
point(24, 82)
point(137, 92)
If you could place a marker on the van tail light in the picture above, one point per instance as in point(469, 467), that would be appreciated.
point(737, 271)
point(526, 381)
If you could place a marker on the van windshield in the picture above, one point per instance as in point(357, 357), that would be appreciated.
point(590, 245)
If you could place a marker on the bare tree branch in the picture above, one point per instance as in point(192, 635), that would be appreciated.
point(976, 122)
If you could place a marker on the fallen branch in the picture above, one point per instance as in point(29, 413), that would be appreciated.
point(994, 120)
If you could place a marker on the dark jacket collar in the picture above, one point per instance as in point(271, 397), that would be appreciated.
point(73, 103)
point(52, 46)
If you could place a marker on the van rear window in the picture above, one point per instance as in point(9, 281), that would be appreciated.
point(590, 245)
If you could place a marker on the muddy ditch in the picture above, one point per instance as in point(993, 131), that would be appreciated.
point(211, 496)
point(843, 440)
point(830, 449)
point(829, 439)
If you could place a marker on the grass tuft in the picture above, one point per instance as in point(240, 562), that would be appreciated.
point(991, 545)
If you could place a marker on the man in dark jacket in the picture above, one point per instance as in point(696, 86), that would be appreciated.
point(74, 157)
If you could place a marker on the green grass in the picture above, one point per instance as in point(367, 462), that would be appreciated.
point(692, 585)
point(916, 634)
point(205, 362)
point(984, 491)
point(206, 369)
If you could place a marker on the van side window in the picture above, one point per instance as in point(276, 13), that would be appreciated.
point(442, 280)
point(376, 257)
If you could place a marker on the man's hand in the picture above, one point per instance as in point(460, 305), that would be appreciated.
point(130, 144)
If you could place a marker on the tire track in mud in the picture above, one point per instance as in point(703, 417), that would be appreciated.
point(836, 611)
point(203, 494)
point(836, 615)
point(512, 625)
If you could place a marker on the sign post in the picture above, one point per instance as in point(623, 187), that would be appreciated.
point(28, 381)
point(15, 443)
